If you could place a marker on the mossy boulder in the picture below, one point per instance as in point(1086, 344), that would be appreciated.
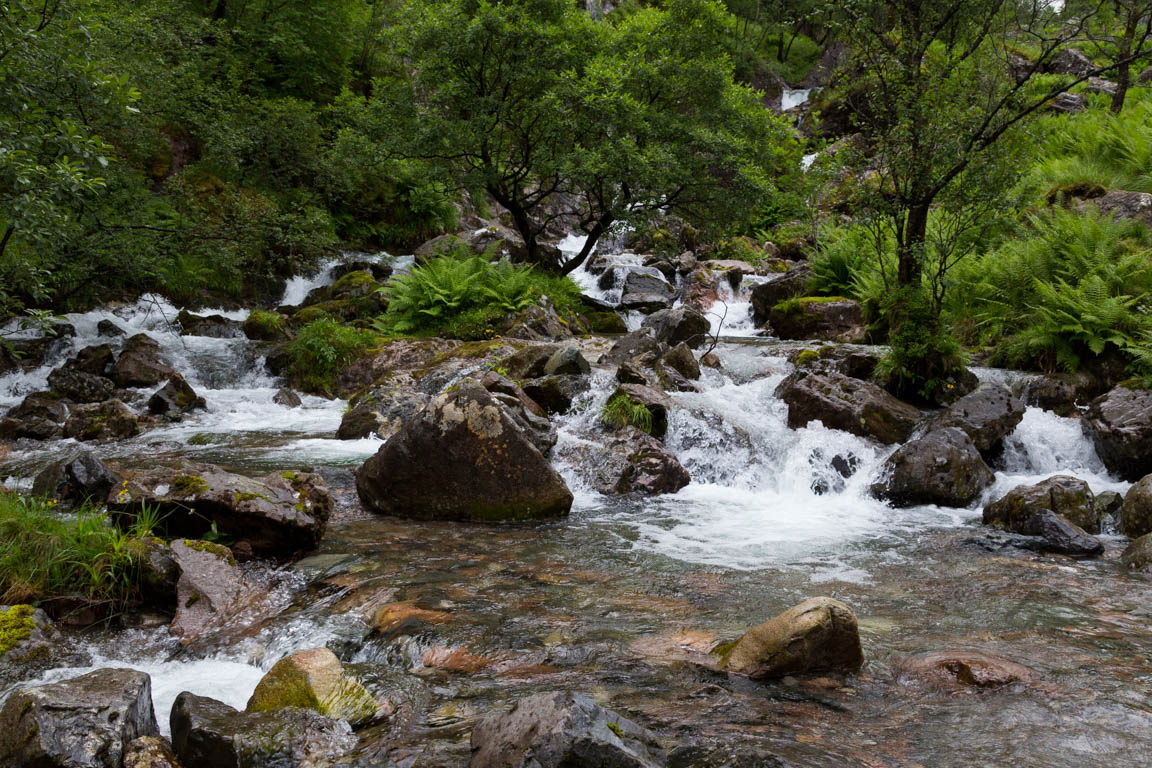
point(818, 635)
point(1136, 514)
point(110, 420)
point(1067, 496)
point(214, 326)
point(818, 317)
point(25, 633)
point(314, 679)
point(463, 458)
point(843, 402)
point(942, 467)
point(261, 325)
point(355, 285)
point(1138, 554)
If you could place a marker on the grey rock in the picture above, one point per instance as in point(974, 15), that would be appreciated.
point(141, 363)
point(1120, 426)
point(214, 326)
point(1067, 496)
point(942, 467)
point(1065, 538)
point(986, 415)
point(555, 394)
point(1138, 554)
point(1069, 61)
point(786, 285)
point(681, 325)
point(109, 420)
point(829, 320)
point(77, 479)
point(842, 402)
point(79, 386)
point(175, 398)
point(637, 344)
point(211, 589)
point(567, 361)
point(646, 292)
point(681, 360)
point(1136, 514)
point(380, 411)
point(287, 398)
point(109, 328)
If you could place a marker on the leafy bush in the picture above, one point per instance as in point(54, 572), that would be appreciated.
point(1071, 288)
point(924, 358)
point(622, 411)
point(463, 296)
point(43, 554)
point(321, 348)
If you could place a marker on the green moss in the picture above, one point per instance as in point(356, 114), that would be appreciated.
point(189, 485)
point(616, 730)
point(359, 283)
point(212, 548)
point(201, 438)
point(263, 326)
point(310, 315)
point(250, 496)
point(16, 625)
point(807, 356)
point(798, 304)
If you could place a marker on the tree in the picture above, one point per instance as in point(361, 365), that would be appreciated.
point(1122, 33)
point(556, 116)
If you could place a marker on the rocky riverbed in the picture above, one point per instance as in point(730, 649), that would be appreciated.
point(774, 473)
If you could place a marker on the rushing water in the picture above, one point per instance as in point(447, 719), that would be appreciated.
point(769, 518)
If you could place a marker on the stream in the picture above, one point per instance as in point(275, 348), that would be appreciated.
point(612, 600)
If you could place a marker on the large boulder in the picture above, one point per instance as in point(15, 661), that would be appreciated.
point(85, 722)
point(942, 467)
point(1136, 515)
point(681, 325)
point(77, 479)
point(80, 386)
point(842, 402)
point(175, 398)
point(539, 322)
point(379, 411)
point(818, 635)
point(562, 730)
point(211, 590)
point(529, 362)
point(555, 394)
point(314, 679)
point(567, 361)
point(646, 291)
point(657, 403)
point(207, 733)
point(1122, 204)
point(40, 416)
point(648, 467)
point(277, 515)
point(1069, 61)
point(1138, 554)
point(214, 326)
point(681, 360)
point(1120, 426)
point(786, 285)
point(1058, 535)
point(463, 458)
point(141, 363)
point(109, 420)
point(1067, 496)
point(827, 319)
point(640, 344)
point(986, 415)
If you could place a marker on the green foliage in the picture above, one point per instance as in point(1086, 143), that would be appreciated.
point(1071, 288)
point(622, 411)
point(923, 359)
point(462, 296)
point(321, 349)
point(44, 555)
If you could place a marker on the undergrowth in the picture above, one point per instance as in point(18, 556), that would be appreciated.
point(321, 349)
point(622, 411)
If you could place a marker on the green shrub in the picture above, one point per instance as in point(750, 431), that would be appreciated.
point(321, 348)
point(43, 554)
point(924, 358)
point(464, 296)
point(1070, 288)
point(622, 411)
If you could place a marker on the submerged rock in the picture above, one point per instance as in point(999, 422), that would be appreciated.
point(85, 722)
point(1067, 496)
point(214, 326)
point(842, 402)
point(986, 415)
point(175, 397)
point(109, 420)
point(1120, 426)
point(485, 468)
point(562, 730)
point(314, 679)
point(287, 398)
point(818, 635)
point(206, 732)
point(141, 363)
point(1136, 514)
point(965, 669)
point(76, 479)
point(1065, 538)
point(277, 515)
point(942, 467)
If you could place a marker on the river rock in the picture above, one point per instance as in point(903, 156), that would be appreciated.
point(211, 589)
point(77, 479)
point(79, 386)
point(380, 411)
point(529, 362)
point(176, 397)
point(986, 415)
point(214, 326)
point(277, 515)
point(1120, 426)
point(648, 467)
point(942, 467)
point(1060, 536)
point(646, 292)
point(555, 394)
point(701, 290)
point(141, 363)
point(108, 328)
point(786, 285)
point(640, 344)
point(150, 752)
point(40, 416)
point(207, 733)
point(96, 360)
point(818, 635)
point(562, 730)
point(539, 322)
point(287, 398)
point(27, 636)
point(966, 669)
point(1108, 505)
point(657, 403)
point(85, 722)
point(567, 361)
point(842, 402)
point(681, 360)
point(1138, 554)
point(109, 420)
point(818, 318)
point(1067, 496)
point(485, 469)
point(681, 325)
point(314, 679)
point(528, 417)
point(1136, 514)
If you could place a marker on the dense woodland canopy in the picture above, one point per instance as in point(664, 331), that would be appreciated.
point(206, 149)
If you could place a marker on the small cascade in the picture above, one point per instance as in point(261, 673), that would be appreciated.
point(791, 98)
point(731, 313)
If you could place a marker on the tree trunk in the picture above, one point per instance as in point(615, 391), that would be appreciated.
point(221, 10)
point(910, 251)
point(1124, 68)
point(598, 229)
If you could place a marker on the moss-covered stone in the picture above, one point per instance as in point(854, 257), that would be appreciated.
point(263, 326)
point(212, 548)
point(314, 679)
point(818, 635)
point(17, 623)
point(355, 285)
point(188, 485)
